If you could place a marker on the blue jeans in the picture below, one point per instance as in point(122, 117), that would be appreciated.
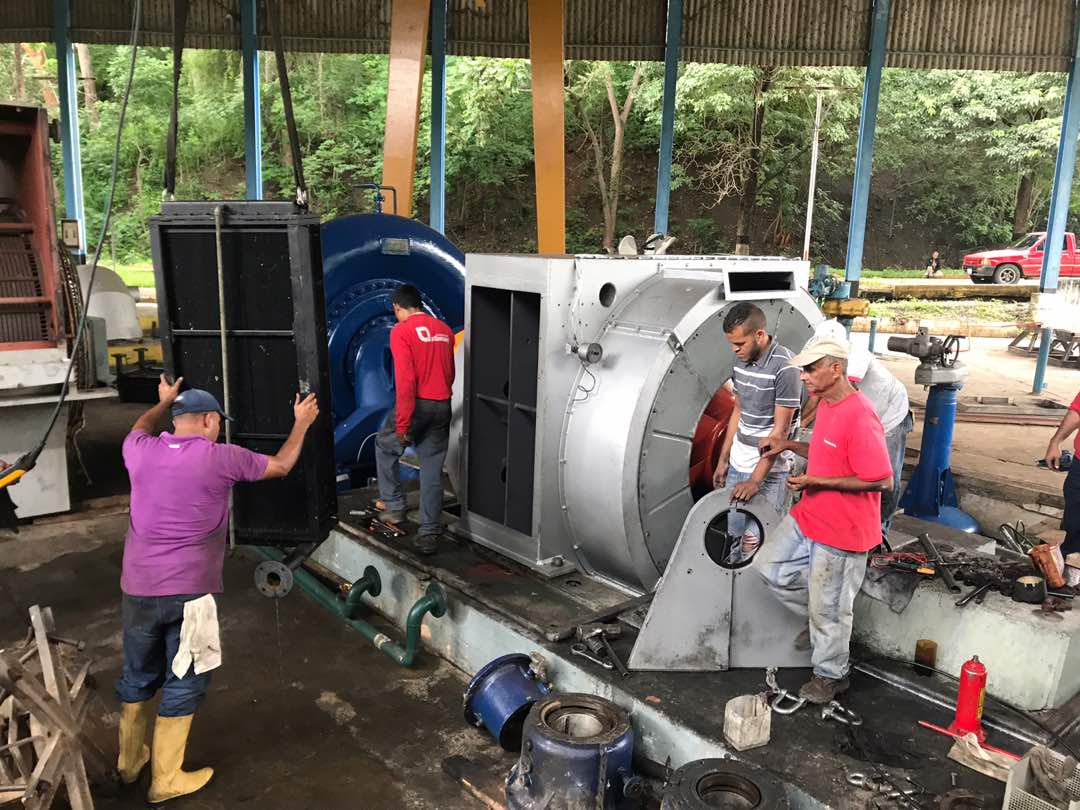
point(817, 582)
point(773, 491)
point(1070, 522)
point(429, 430)
point(151, 639)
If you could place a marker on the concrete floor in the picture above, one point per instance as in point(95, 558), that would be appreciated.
point(303, 714)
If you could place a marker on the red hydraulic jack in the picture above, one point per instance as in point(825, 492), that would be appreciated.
point(969, 707)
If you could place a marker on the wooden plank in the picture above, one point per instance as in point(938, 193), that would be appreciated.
point(37, 700)
point(7, 710)
point(78, 787)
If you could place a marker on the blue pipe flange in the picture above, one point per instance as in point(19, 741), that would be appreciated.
point(500, 695)
point(576, 751)
point(365, 258)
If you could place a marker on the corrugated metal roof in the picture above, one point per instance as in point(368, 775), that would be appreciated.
point(1023, 35)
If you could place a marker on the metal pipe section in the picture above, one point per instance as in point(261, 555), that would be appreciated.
point(369, 583)
point(438, 115)
point(67, 91)
point(873, 333)
point(1046, 337)
point(249, 45)
point(864, 154)
point(433, 602)
point(667, 116)
point(219, 214)
point(1064, 170)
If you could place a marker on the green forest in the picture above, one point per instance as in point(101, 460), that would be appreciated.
point(963, 159)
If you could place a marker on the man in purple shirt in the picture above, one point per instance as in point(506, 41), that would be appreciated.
point(173, 553)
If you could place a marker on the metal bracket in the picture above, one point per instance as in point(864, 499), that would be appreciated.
point(674, 343)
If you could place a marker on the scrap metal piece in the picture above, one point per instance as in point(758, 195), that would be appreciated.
point(935, 556)
point(583, 651)
point(841, 714)
point(563, 632)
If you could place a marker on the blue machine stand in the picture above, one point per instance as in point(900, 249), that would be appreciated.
point(365, 258)
point(931, 492)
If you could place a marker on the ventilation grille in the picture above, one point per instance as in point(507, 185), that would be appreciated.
point(20, 279)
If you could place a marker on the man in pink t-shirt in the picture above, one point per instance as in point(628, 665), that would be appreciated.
point(815, 561)
point(1070, 423)
point(173, 554)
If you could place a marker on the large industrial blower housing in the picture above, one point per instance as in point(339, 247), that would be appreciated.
point(573, 453)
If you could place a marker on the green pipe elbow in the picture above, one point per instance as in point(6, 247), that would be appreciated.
point(370, 583)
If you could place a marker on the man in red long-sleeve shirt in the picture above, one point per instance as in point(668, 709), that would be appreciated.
point(423, 350)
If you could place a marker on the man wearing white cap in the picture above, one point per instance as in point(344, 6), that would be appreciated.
point(890, 400)
point(815, 562)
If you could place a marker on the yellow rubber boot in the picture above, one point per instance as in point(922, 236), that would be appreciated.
point(134, 752)
point(169, 779)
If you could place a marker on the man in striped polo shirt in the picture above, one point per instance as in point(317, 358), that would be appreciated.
point(768, 394)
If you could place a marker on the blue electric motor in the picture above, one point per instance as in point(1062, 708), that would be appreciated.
point(365, 258)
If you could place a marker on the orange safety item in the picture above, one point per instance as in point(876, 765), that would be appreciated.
point(708, 441)
point(970, 699)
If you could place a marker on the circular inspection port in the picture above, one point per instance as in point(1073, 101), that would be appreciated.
point(607, 295)
point(729, 791)
point(729, 538)
point(580, 717)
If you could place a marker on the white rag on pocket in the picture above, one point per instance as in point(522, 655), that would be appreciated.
point(200, 643)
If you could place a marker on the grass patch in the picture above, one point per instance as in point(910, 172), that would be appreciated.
point(910, 272)
point(972, 310)
point(139, 274)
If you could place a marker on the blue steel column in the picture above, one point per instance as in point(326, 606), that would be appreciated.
point(68, 93)
point(864, 155)
point(667, 120)
point(1059, 198)
point(249, 43)
point(438, 115)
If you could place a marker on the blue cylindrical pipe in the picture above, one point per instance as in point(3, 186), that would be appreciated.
point(1045, 339)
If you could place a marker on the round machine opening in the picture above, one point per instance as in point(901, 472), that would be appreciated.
point(579, 720)
point(708, 441)
point(607, 295)
point(733, 537)
point(729, 791)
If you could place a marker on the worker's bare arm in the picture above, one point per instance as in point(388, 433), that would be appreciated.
point(1068, 426)
point(850, 483)
point(167, 394)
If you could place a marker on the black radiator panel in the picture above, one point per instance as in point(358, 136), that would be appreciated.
point(276, 321)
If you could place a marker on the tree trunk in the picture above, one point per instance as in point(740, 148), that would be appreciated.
point(20, 80)
point(748, 199)
point(86, 68)
point(619, 118)
point(1022, 212)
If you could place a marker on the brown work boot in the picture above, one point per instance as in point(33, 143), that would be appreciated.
point(821, 690)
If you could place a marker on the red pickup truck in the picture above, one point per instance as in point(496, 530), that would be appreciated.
point(1022, 260)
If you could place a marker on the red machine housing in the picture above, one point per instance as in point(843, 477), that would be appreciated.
point(30, 316)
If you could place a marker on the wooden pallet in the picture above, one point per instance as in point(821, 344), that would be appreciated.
point(43, 709)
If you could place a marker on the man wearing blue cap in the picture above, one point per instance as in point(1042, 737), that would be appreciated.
point(173, 555)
